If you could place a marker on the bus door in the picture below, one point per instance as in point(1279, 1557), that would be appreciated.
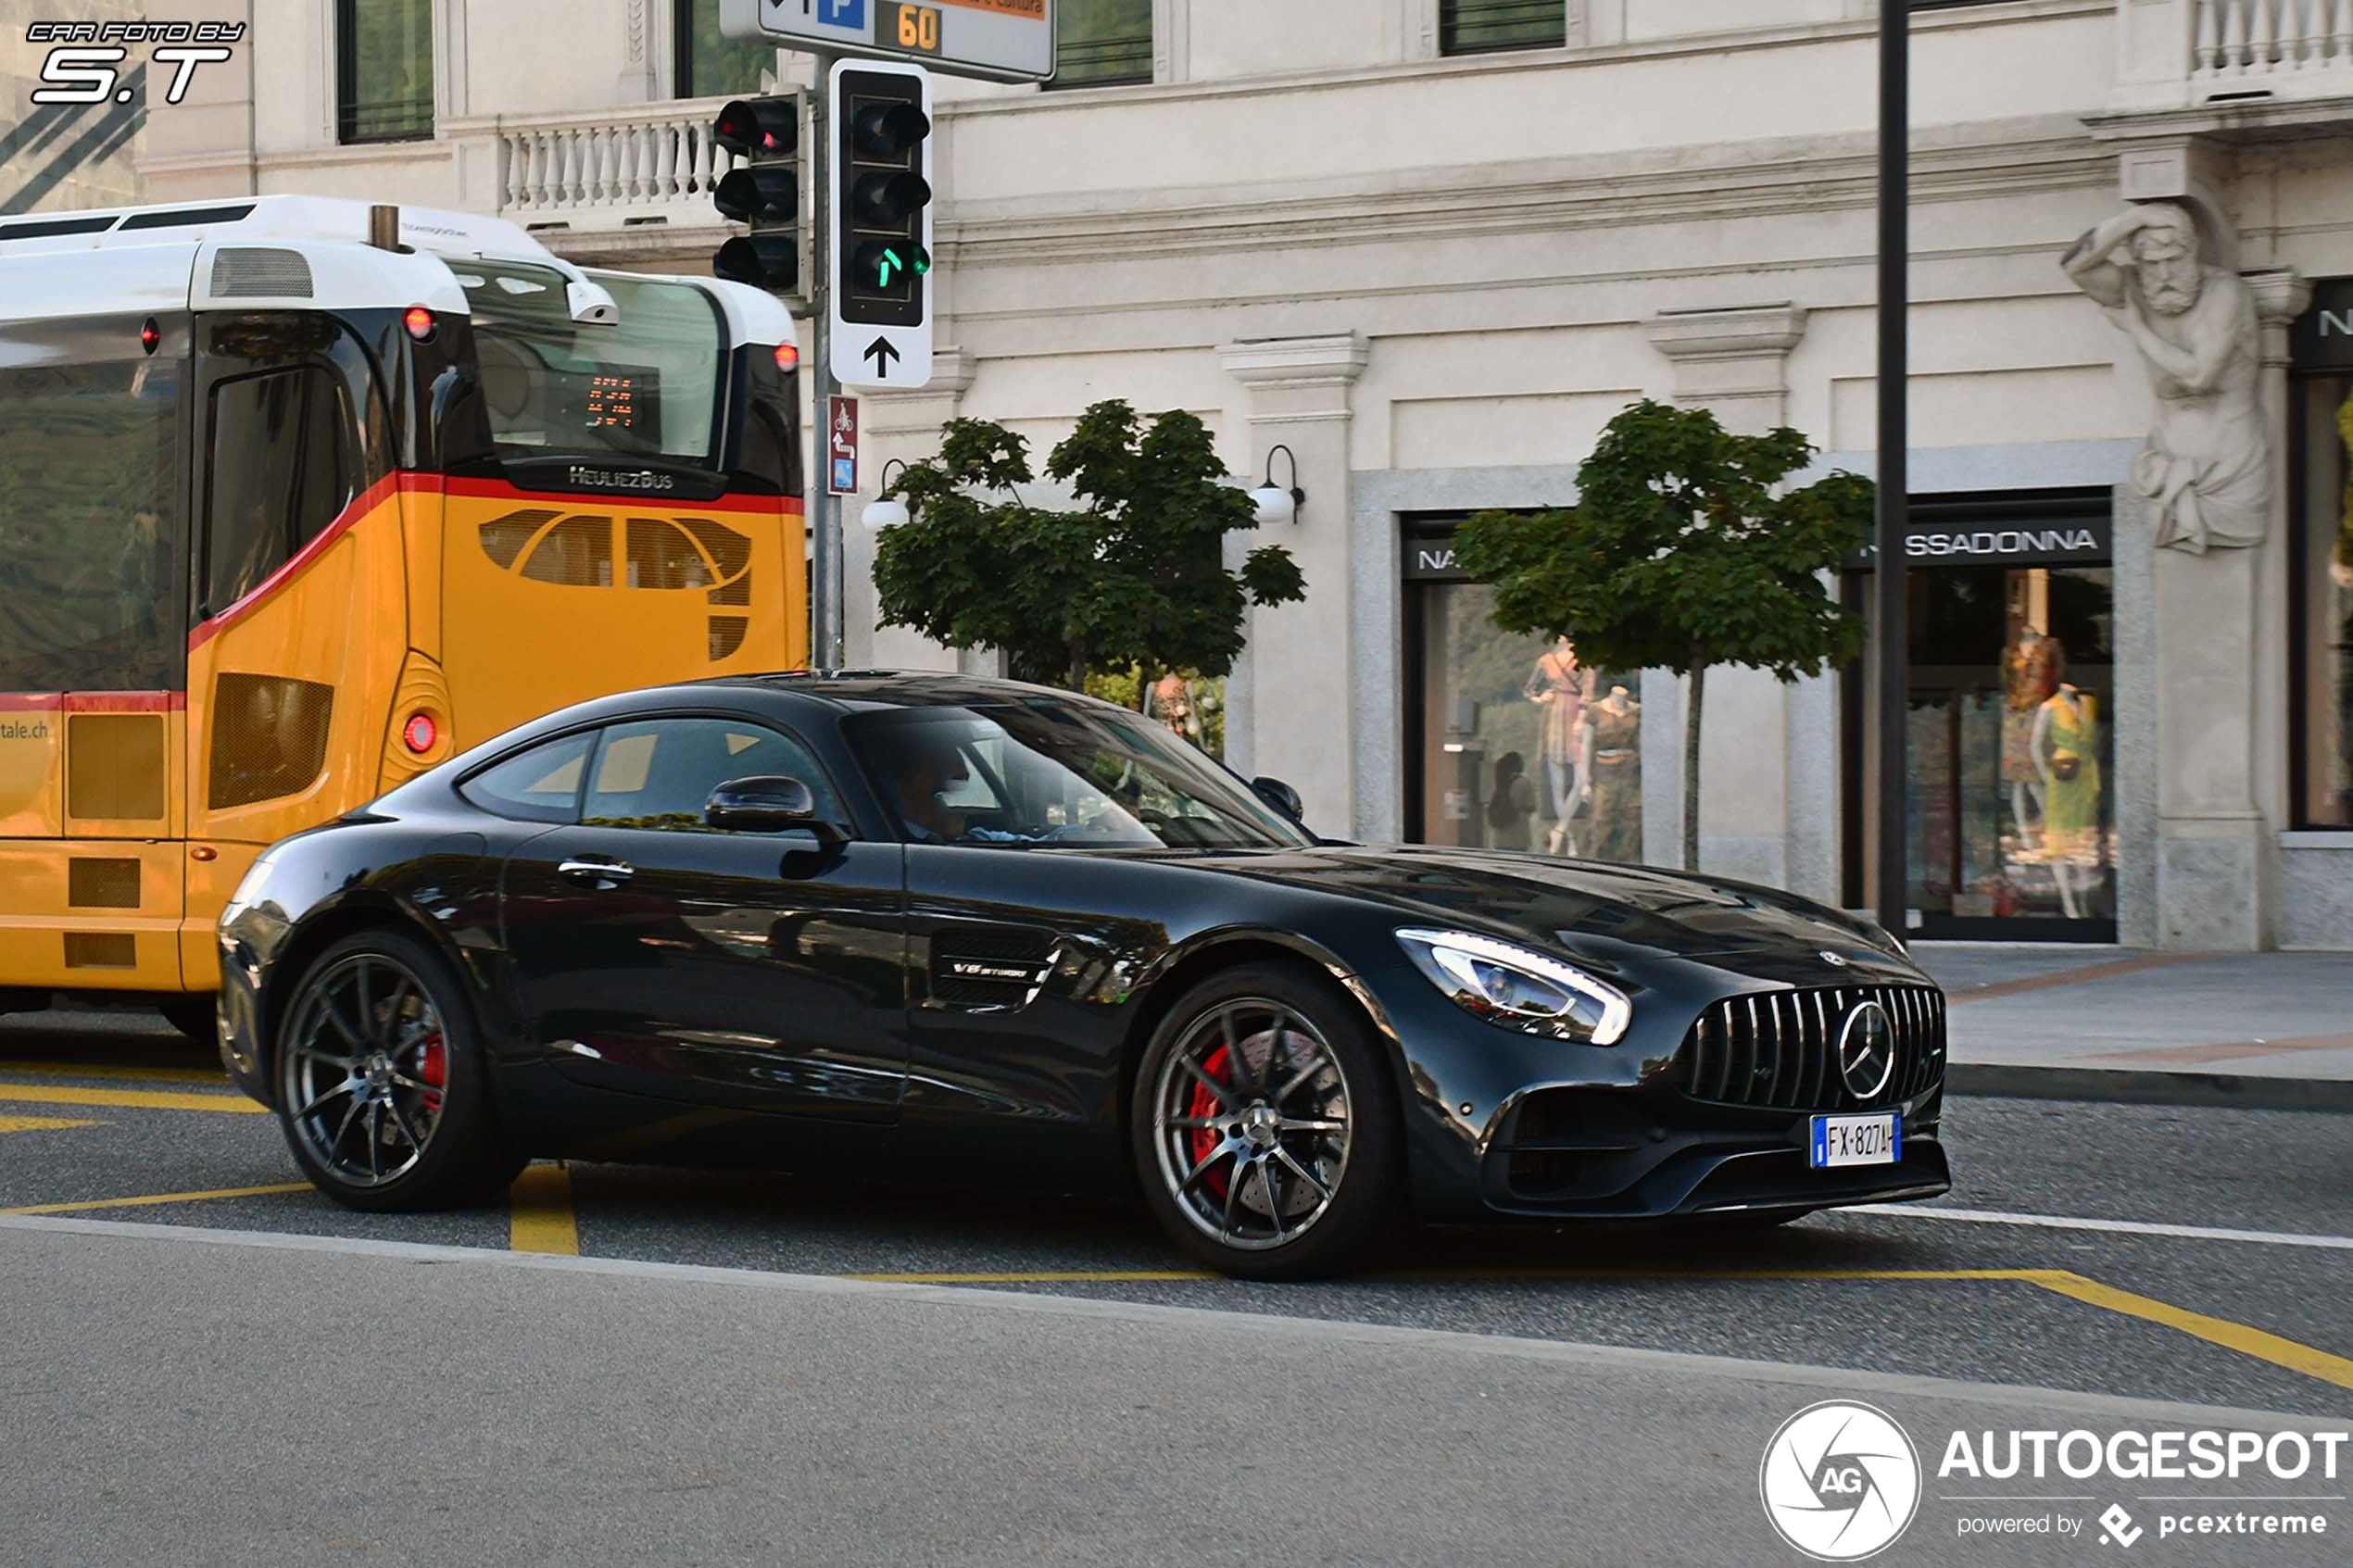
point(93, 607)
point(300, 621)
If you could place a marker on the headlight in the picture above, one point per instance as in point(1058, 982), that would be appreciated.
point(1515, 988)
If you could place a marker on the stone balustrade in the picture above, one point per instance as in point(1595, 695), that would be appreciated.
point(2189, 53)
point(596, 171)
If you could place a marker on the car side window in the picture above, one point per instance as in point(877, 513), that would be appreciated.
point(538, 785)
point(657, 774)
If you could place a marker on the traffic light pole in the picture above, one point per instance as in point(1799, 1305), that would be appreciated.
point(822, 507)
point(1890, 637)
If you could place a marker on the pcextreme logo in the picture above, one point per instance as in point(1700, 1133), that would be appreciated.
point(1840, 1481)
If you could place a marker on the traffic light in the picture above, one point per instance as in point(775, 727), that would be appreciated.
point(882, 237)
point(763, 192)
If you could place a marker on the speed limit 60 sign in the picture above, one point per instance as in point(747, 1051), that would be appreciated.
point(997, 40)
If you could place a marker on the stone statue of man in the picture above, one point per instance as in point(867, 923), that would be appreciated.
point(2208, 464)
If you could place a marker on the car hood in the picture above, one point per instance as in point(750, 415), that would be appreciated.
point(1583, 905)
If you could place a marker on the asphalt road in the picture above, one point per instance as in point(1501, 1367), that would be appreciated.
point(1047, 1380)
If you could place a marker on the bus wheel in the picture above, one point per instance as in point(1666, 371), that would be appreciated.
point(192, 1016)
point(381, 1088)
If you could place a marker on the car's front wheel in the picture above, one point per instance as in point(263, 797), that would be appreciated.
point(382, 1087)
point(1265, 1125)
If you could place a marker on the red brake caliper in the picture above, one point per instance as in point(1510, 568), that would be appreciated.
point(1205, 1105)
point(434, 1072)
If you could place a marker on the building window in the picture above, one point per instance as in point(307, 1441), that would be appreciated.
point(1102, 43)
point(709, 64)
point(1477, 27)
point(383, 71)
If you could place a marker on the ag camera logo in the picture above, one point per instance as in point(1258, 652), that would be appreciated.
point(1840, 1481)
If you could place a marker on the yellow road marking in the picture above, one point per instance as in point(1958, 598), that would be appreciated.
point(2231, 1336)
point(2245, 1340)
point(40, 1124)
point(214, 1076)
point(157, 1198)
point(143, 1100)
point(539, 1213)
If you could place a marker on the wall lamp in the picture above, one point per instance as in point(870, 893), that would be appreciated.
point(884, 511)
point(1275, 503)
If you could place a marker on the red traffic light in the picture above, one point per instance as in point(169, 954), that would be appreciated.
point(758, 128)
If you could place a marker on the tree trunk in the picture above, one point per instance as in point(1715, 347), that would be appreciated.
point(1691, 768)
point(1144, 686)
point(1078, 664)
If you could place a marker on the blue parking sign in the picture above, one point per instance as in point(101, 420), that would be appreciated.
point(843, 13)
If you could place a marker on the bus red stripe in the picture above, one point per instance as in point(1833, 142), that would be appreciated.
point(500, 489)
point(125, 702)
point(31, 702)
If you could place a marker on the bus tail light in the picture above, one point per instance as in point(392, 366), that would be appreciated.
point(419, 734)
point(419, 321)
point(149, 335)
point(787, 357)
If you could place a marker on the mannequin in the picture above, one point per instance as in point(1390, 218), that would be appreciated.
point(2030, 674)
point(1513, 803)
point(2065, 740)
point(1559, 684)
point(1613, 752)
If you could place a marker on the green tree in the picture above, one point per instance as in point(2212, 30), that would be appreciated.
point(1134, 576)
point(1685, 551)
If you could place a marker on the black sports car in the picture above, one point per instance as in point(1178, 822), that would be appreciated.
point(982, 931)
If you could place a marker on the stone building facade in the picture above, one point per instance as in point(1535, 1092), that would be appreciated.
point(1430, 247)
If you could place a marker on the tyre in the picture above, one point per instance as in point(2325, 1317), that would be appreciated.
point(382, 1091)
point(194, 1017)
point(1264, 1125)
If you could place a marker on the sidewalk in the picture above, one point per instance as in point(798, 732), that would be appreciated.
point(2254, 1029)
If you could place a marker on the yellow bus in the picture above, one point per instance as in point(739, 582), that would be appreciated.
point(301, 496)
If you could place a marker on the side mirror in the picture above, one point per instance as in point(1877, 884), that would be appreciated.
point(1282, 796)
point(774, 803)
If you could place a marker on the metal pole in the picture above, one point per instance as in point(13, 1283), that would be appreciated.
point(823, 507)
point(1890, 637)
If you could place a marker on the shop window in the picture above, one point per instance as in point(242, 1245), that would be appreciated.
point(2010, 717)
point(1478, 27)
point(383, 71)
point(2321, 566)
point(1514, 743)
point(709, 64)
point(1102, 43)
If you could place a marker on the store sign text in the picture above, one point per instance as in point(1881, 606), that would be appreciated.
point(2005, 544)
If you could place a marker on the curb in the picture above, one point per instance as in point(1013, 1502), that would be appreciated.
point(2234, 1090)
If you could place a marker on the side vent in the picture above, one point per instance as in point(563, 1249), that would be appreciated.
point(101, 949)
point(114, 767)
point(94, 884)
point(269, 738)
point(260, 272)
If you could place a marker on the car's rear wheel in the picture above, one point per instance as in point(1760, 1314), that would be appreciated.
point(381, 1088)
point(1265, 1125)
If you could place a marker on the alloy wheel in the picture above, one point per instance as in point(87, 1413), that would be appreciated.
point(1251, 1123)
point(367, 1069)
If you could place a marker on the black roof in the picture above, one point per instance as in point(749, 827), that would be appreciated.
point(848, 690)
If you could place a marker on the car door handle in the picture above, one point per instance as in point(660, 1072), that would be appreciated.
point(598, 873)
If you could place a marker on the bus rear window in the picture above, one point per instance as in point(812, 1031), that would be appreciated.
point(91, 537)
point(646, 387)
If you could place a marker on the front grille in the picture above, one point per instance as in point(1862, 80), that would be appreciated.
point(1780, 1048)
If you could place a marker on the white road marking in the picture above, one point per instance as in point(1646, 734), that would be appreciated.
point(2118, 1227)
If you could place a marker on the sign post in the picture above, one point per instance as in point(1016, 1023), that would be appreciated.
point(841, 445)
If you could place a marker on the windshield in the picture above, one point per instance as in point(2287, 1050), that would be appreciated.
point(1040, 770)
point(647, 386)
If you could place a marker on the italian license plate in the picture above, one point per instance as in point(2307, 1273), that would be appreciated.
point(1856, 1140)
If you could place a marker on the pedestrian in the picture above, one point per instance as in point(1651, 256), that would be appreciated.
point(1511, 805)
